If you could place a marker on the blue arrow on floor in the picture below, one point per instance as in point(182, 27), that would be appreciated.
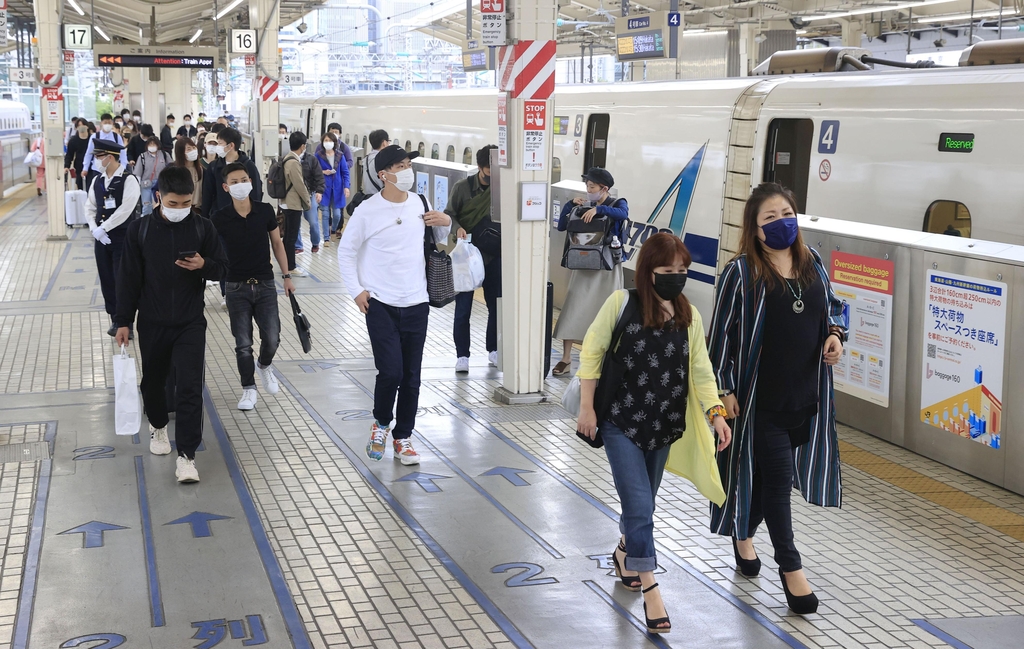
point(510, 474)
point(425, 480)
point(93, 532)
point(200, 522)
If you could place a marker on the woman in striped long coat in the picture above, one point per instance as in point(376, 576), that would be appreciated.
point(777, 329)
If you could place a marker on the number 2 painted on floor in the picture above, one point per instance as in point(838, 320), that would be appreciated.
point(109, 640)
point(524, 578)
point(94, 453)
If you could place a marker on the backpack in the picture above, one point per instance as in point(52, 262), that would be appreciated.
point(276, 184)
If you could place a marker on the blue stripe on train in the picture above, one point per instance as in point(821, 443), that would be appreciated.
point(700, 277)
point(704, 250)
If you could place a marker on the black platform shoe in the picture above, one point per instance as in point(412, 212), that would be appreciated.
point(629, 583)
point(749, 567)
point(653, 625)
point(802, 605)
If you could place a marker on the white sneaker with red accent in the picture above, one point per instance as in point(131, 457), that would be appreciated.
point(405, 452)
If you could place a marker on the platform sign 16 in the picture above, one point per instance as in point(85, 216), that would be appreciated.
point(243, 41)
point(828, 138)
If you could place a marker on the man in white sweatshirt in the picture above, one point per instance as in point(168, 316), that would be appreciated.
point(382, 262)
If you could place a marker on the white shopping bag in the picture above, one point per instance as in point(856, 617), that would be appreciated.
point(127, 412)
point(467, 267)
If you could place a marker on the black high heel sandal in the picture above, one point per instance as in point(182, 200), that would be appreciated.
point(653, 625)
point(629, 583)
point(802, 604)
point(749, 567)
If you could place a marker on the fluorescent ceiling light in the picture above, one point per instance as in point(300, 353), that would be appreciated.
point(696, 30)
point(874, 9)
point(195, 36)
point(1007, 11)
point(101, 33)
point(225, 10)
point(74, 5)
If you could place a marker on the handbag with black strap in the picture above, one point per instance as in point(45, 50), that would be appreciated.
point(301, 324)
point(487, 237)
point(440, 279)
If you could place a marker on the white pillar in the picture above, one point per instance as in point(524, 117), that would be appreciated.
point(51, 61)
point(524, 243)
point(267, 65)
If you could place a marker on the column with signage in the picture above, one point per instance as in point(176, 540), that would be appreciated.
point(264, 17)
point(525, 108)
point(51, 111)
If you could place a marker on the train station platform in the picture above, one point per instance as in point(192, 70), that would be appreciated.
point(499, 538)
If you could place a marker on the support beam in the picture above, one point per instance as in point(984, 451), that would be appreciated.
point(264, 16)
point(51, 61)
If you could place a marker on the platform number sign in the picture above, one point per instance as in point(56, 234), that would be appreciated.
point(243, 41)
point(77, 37)
point(828, 138)
point(674, 19)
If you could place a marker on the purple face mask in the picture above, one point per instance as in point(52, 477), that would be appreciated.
point(780, 233)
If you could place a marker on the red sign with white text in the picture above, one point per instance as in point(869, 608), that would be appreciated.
point(535, 115)
point(492, 6)
point(52, 94)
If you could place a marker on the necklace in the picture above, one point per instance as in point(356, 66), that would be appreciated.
point(798, 304)
point(397, 209)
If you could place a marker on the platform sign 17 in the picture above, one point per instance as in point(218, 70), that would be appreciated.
point(828, 137)
point(77, 37)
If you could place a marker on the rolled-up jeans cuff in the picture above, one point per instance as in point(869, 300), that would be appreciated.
point(641, 564)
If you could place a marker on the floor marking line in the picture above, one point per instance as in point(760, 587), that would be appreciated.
point(16, 211)
point(550, 549)
point(478, 595)
point(940, 634)
point(285, 601)
point(56, 272)
point(26, 601)
point(156, 603)
point(626, 614)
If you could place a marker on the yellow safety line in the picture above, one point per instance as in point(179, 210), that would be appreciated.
point(934, 491)
point(7, 205)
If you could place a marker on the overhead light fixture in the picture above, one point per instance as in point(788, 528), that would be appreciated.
point(874, 9)
point(227, 9)
point(954, 17)
point(101, 33)
point(697, 30)
point(74, 5)
point(195, 36)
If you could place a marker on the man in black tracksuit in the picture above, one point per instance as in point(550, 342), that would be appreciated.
point(168, 256)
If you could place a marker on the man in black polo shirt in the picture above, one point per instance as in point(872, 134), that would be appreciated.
point(248, 230)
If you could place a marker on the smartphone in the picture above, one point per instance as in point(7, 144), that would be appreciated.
point(185, 255)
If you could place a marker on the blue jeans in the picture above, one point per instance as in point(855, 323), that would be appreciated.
point(148, 196)
point(247, 302)
point(397, 336)
point(331, 217)
point(637, 476)
point(314, 224)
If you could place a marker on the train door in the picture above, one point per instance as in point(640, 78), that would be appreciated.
point(596, 154)
point(787, 157)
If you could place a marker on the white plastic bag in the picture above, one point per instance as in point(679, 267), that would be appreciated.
point(127, 412)
point(571, 397)
point(467, 267)
point(34, 158)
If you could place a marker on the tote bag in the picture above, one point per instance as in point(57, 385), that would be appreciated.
point(127, 413)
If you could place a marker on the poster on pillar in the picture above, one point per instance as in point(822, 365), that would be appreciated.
point(250, 67)
point(503, 130)
point(535, 135)
point(69, 63)
point(493, 32)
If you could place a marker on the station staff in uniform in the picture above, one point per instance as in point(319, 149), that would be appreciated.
point(112, 204)
point(93, 166)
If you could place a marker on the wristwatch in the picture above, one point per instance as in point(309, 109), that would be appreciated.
point(286, 276)
point(724, 393)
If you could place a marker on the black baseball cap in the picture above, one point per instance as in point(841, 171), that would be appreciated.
point(390, 155)
point(599, 176)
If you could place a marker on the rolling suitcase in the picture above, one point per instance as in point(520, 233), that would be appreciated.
point(74, 205)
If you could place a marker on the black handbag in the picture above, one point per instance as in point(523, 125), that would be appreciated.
point(440, 280)
point(301, 324)
point(487, 237)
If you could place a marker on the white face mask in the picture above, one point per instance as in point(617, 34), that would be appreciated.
point(108, 128)
point(175, 214)
point(404, 179)
point(171, 124)
point(240, 191)
point(152, 149)
point(188, 122)
point(192, 155)
point(328, 145)
point(220, 151)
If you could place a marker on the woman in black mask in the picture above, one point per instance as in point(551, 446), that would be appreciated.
point(661, 369)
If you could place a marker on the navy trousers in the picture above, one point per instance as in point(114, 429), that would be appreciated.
point(397, 336)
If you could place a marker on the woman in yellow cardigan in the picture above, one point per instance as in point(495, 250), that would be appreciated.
point(639, 408)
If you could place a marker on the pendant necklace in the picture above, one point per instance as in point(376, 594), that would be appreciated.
point(398, 210)
point(798, 305)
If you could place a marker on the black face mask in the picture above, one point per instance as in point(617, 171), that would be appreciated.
point(668, 286)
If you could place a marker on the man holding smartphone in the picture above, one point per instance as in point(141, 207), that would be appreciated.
point(168, 257)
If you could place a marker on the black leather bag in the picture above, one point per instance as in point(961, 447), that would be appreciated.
point(487, 237)
point(301, 324)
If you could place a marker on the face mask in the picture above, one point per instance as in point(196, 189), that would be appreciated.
point(171, 124)
point(668, 286)
point(221, 152)
point(108, 128)
point(188, 122)
point(192, 155)
point(404, 179)
point(118, 123)
point(328, 145)
point(594, 197)
point(152, 149)
point(240, 191)
point(780, 233)
point(83, 132)
point(126, 134)
point(175, 214)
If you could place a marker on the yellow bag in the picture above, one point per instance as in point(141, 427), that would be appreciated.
point(693, 455)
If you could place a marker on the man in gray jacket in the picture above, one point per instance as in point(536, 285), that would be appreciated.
point(378, 140)
point(296, 200)
point(313, 174)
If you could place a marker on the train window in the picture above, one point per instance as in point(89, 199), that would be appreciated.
point(467, 156)
point(556, 170)
point(948, 217)
point(422, 148)
point(787, 156)
point(596, 154)
point(435, 152)
point(450, 154)
point(408, 145)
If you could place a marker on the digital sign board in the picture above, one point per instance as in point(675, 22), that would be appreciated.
point(150, 56)
point(474, 60)
point(956, 142)
point(641, 45)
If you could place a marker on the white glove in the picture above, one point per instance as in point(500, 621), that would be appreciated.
point(101, 235)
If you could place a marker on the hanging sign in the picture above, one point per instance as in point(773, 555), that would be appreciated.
point(243, 41)
point(23, 75)
point(69, 63)
point(866, 285)
point(291, 79)
point(535, 135)
point(77, 37)
point(493, 31)
point(503, 130)
point(964, 352)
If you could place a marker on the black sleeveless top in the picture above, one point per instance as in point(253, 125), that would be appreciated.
point(650, 405)
point(115, 191)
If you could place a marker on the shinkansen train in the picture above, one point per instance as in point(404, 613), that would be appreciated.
point(937, 150)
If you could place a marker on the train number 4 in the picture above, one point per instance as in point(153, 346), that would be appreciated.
point(828, 138)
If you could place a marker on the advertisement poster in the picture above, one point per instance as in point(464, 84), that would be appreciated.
point(535, 135)
point(440, 193)
point(962, 373)
point(866, 285)
point(422, 183)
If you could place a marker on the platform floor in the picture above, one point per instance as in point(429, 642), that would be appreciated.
point(500, 538)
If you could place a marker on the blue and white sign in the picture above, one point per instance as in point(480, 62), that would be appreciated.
point(828, 137)
point(674, 19)
point(638, 23)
